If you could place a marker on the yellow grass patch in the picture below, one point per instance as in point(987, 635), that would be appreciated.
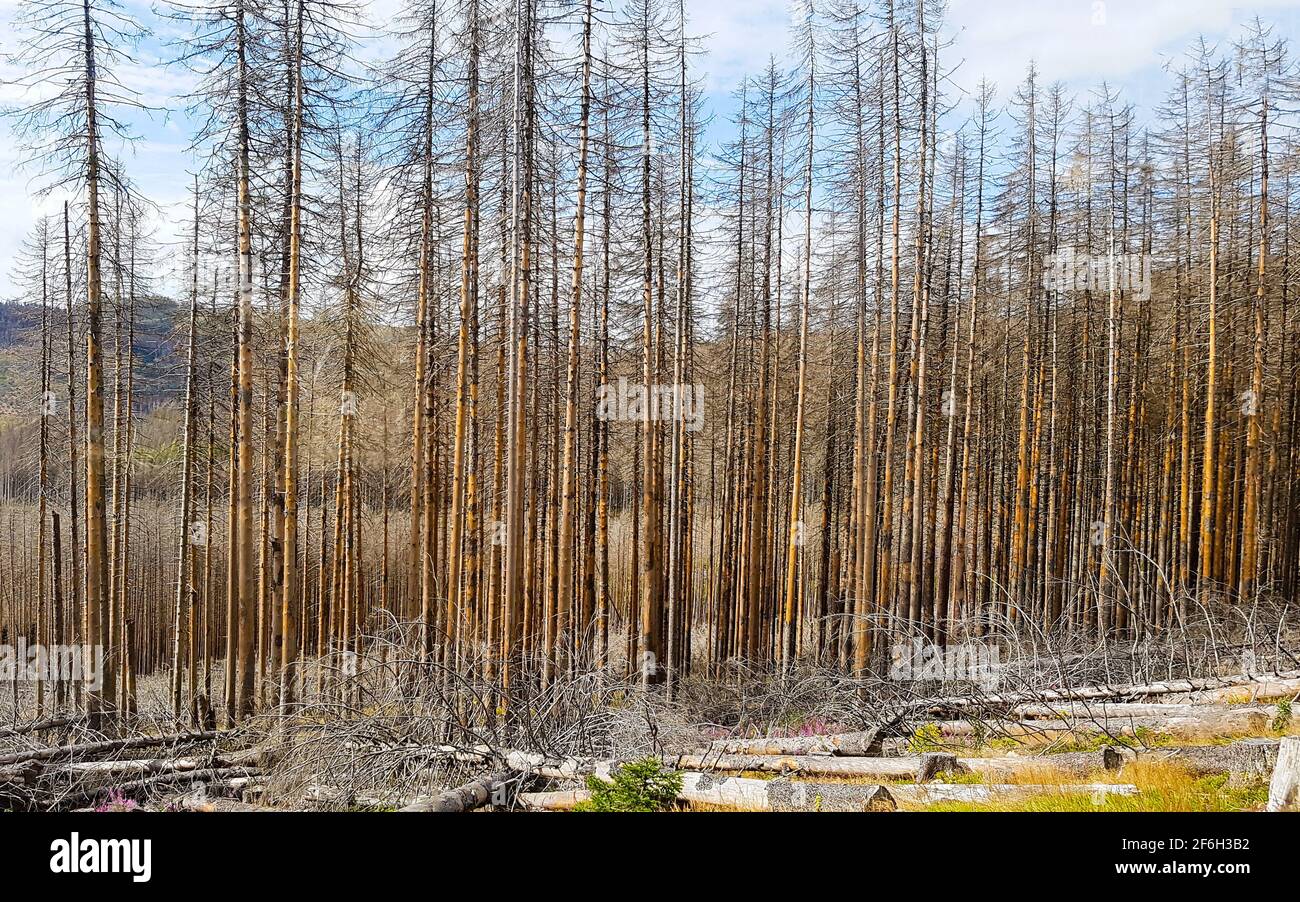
point(1162, 786)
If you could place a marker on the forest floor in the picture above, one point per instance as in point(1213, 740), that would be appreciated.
point(1202, 743)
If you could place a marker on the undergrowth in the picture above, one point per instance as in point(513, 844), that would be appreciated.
point(644, 785)
point(1162, 786)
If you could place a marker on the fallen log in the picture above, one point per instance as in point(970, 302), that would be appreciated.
point(245, 789)
point(1195, 724)
point(129, 789)
point(1284, 788)
point(1108, 758)
point(744, 793)
point(1108, 709)
point(911, 769)
point(1006, 700)
point(231, 794)
point(21, 774)
point(819, 765)
point(559, 800)
point(49, 723)
point(1245, 759)
point(550, 766)
point(321, 794)
point(143, 766)
point(783, 795)
point(908, 768)
point(864, 743)
point(474, 794)
point(929, 793)
point(1264, 689)
point(1252, 758)
point(554, 768)
point(89, 749)
point(216, 804)
point(932, 764)
point(859, 743)
point(1077, 764)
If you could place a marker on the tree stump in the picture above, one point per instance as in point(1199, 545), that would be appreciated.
point(935, 763)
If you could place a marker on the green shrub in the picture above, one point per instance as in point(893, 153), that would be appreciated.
point(643, 785)
point(1282, 720)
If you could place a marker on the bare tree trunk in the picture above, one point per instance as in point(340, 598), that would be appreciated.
point(567, 513)
point(185, 590)
point(98, 700)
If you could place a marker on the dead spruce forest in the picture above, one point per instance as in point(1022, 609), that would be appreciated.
point(501, 405)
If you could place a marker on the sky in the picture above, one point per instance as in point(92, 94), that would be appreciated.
point(1126, 43)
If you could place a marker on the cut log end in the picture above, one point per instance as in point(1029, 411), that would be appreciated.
point(1284, 788)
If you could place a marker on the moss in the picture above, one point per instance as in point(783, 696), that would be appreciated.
point(1240, 697)
point(948, 776)
point(1143, 737)
point(1152, 739)
point(1005, 744)
point(926, 738)
point(1253, 794)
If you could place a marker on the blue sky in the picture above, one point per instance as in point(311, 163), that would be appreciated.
point(1079, 42)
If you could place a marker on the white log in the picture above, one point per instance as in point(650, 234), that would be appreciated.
point(928, 793)
point(744, 793)
point(863, 743)
point(1209, 723)
point(886, 769)
point(1284, 788)
point(1251, 692)
point(817, 765)
point(561, 800)
point(783, 795)
point(1105, 708)
point(1247, 759)
point(1240, 682)
point(474, 794)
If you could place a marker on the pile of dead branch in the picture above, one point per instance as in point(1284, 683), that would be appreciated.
point(57, 765)
point(393, 728)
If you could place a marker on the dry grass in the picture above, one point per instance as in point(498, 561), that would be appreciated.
point(1162, 786)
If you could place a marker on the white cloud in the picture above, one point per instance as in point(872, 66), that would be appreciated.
point(1082, 42)
point(990, 38)
point(740, 37)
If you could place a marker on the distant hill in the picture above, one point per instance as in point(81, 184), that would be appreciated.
point(158, 329)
